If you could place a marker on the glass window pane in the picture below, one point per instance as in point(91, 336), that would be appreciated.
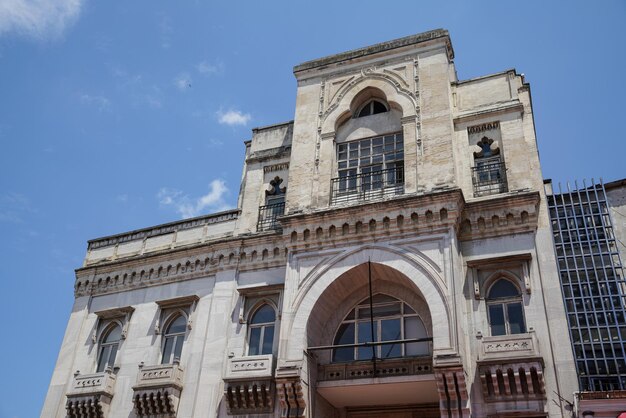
point(390, 330)
point(114, 335)
point(496, 320)
point(264, 315)
point(102, 358)
point(345, 335)
point(167, 350)
point(414, 328)
point(178, 349)
point(177, 326)
point(516, 318)
point(365, 335)
point(254, 342)
point(268, 340)
point(503, 289)
point(113, 353)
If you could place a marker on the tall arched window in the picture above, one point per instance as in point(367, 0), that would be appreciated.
point(393, 320)
point(173, 338)
point(261, 331)
point(109, 343)
point(505, 309)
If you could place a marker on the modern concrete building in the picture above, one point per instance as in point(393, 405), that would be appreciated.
point(588, 222)
point(391, 255)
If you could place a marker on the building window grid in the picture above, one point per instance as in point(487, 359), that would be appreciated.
point(598, 355)
point(368, 166)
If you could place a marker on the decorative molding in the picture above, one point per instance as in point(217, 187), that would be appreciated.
point(291, 397)
point(483, 127)
point(187, 304)
point(275, 167)
point(156, 269)
point(141, 234)
point(119, 315)
point(513, 381)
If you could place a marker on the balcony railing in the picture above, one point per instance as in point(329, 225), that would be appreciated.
point(489, 177)
point(91, 395)
point(367, 186)
point(404, 366)
point(267, 216)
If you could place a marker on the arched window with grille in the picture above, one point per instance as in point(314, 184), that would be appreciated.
point(261, 330)
point(108, 346)
point(505, 308)
point(173, 338)
point(393, 320)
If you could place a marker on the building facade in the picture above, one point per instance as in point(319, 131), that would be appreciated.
point(390, 255)
point(588, 243)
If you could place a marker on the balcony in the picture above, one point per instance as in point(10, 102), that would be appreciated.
point(249, 385)
point(398, 381)
point(157, 391)
point(489, 177)
point(367, 186)
point(508, 347)
point(384, 368)
point(91, 395)
point(511, 368)
point(267, 216)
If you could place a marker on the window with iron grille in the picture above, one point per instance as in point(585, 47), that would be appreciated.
point(369, 166)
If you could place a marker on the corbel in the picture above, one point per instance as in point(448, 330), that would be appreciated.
point(476, 283)
point(242, 308)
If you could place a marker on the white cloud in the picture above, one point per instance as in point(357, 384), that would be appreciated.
point(39, 19)
point(188, 207)
point(101, 102)
point(233, 117)
point(182, 81)
point(206, 68)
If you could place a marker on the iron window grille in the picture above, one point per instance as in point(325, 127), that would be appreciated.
point(368, 169)
point(489, 176)
point(268, 215)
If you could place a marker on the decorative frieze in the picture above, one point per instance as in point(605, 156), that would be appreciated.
point(508, 347)
point(122, 276)
point(483, 127)
point(514, 381)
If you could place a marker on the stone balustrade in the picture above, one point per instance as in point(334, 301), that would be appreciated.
point(250, 385)
point(157, 392)
point(384, 368)
point(91, 395)
point(504, 347)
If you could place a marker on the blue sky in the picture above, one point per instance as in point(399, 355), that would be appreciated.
point(120, 115)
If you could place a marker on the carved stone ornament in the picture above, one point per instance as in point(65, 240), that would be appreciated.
point(291, 397)
point(485, 148)
point(274, 188)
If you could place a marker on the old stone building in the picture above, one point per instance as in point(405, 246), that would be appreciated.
point(390, 255)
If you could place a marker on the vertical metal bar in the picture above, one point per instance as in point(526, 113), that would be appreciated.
point(369, 277)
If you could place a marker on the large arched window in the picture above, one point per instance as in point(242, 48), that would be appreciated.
point(393, 320)
point(261, 331)
point(173, 338)
point(505, 309)
point(109, 343)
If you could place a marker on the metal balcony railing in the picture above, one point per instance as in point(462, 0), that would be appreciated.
point(367, 186)
point(489, 177)
point(267, 216)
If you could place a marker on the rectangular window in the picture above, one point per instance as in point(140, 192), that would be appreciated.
point(368, 168)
